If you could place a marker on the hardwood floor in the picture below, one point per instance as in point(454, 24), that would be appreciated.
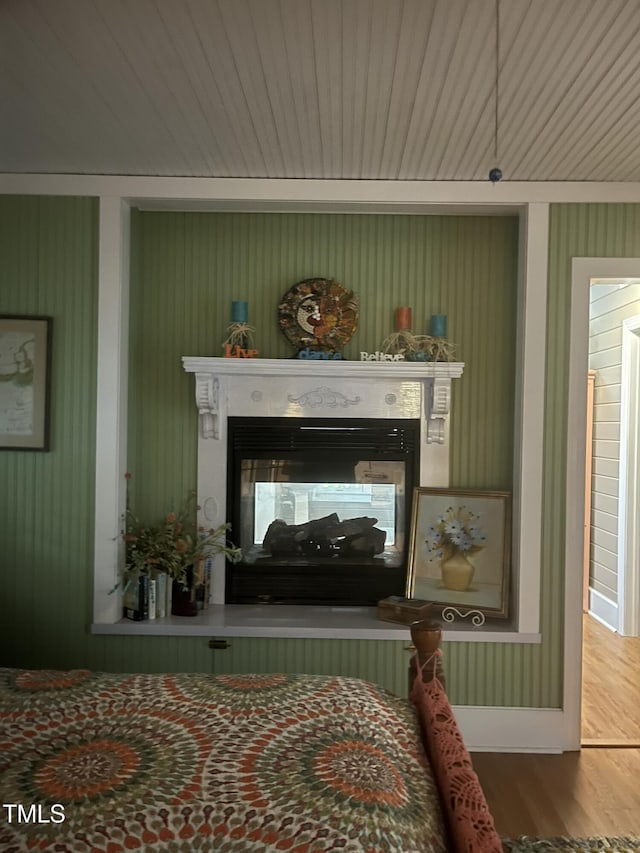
point(591, 792)
point(610, 686)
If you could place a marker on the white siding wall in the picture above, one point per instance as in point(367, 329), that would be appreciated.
point(610, 305)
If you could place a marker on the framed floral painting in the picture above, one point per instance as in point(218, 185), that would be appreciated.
point(460, 550)
point(25, 364)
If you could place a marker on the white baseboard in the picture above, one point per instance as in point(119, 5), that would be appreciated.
point(603, 609)
point(487, 729)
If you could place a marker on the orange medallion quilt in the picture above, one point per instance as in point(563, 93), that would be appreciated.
point(111, 763)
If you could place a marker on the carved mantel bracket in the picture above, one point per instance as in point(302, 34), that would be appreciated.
point(208, 403)
point(438, 410)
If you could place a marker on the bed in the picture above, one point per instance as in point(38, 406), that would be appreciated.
point(239, 763)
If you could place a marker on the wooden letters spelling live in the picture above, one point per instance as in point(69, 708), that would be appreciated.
point(234, 351)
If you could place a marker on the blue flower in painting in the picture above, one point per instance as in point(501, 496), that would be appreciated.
point(456, 530)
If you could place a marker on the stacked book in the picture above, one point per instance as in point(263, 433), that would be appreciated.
point(202, 581)
point(147, 597)
point(150, 596)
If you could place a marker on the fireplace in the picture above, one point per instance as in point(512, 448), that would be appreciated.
point(313, 464)
point(321, 509)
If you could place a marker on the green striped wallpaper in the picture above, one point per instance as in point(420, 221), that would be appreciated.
point(186, 270)
point(48, 256)
point(189, 268)
point(355, 658)
point(576, 230)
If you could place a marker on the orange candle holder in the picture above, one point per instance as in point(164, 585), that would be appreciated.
point(403, 318)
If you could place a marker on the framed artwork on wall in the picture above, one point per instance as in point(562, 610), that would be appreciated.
point(460, 550)
point(25, 367)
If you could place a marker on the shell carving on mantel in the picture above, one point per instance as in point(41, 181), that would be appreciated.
point(324, 397)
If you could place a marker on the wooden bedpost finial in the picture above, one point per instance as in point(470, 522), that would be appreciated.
point(426, 635)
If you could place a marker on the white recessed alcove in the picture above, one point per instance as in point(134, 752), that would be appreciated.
point(116, 200)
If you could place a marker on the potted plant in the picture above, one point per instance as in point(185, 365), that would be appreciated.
point(175, 546)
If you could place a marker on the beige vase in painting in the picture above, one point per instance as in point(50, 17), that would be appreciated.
point(457, 572)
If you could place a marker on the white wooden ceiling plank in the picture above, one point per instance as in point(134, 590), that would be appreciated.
point(236, 124)
point(485, 150)
point(474, 156)
point(243, 40)
point(488, 146)
point(628, 166)
point(59, 94)
point(567, 126)
point(562, 86)
point(153, 44)
point(37, 136)
point(271, 31)
point(600, 145)
point(608, 89)
point(479, 149)
point(356, 60)
point(25, 106)
point(615, 153)
point(412, 39)
point(97, 35)
point(216, 141)
point(527, 81)
point(109, 45)
point(471, 117)
point(444, 23)
point(468, 64)
point(320, 88)
point(451, 75)
point(326, 21)
point(514, 19)
point(381, 61)
point(305, 107)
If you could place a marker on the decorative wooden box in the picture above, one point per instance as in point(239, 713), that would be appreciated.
point(403, 610)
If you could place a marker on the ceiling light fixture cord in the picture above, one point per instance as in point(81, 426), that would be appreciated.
point(495, 174)
point(497, 87)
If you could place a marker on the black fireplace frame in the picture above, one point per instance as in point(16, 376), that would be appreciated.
point(344, 582)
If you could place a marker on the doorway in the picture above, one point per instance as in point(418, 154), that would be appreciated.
point(611, 645)
point(611, 494)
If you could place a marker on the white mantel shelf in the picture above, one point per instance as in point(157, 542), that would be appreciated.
point(324, 368)
point(299, 622)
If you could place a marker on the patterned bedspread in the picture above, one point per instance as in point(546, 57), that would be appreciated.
point(105, 762)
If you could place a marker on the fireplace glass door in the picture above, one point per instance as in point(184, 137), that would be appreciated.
point(320, 509)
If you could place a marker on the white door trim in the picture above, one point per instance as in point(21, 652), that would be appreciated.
point(629, 478)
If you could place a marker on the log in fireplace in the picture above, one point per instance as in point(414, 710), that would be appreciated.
point(321, 509)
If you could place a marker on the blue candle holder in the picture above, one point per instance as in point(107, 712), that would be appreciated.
point(239, 312)
point(438, 325)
